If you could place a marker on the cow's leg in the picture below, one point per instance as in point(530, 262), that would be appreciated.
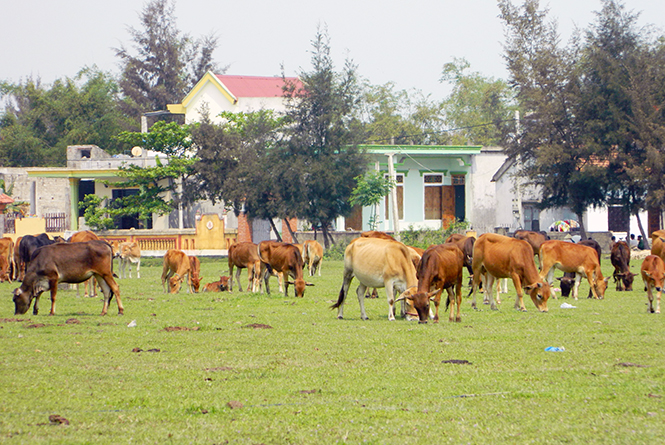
point(280, 280)
point(231, 277)
point(390, 294)
point(318, 266)
point(360, 293)
point(166, 274)
point(504, 286)
point(35, 309)
point(658, 292)
point(343, 292)
point(238, 278)
point(458, 299)
point(476, 277)
point(109, 288)
point(265, 274)
point(591, 277)
point(576, 286)
point(129, 266)
point(53, 284)
point(138, 268)
point(649, 297)
point(488, 285)
point(519, 301)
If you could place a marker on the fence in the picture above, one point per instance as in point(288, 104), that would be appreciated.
point(55, 222)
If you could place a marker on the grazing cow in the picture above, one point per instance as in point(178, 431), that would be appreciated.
point(129, 253)
point(217, 286)
point(653, 275)
point(176, 266)
point(67, 263)
point(313, 256)
point(82, 237)
point(377, 263)
point(570, 257)
point(195, 268)
point(7, 259)
point(568, 279)
point(535, 239)
point(27, 247)
point(285, 259)
point(620, 258)
point(442, 268)
point(244, 256)
point(497, 256)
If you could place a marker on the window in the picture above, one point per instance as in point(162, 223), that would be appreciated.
point(399, 188)
point(433, 185)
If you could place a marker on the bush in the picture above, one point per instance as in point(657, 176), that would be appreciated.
point(424, 238)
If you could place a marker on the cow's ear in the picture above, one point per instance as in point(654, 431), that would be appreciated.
point(308, 284)
point(432, 294)
point(607, 279)
point(635, 274)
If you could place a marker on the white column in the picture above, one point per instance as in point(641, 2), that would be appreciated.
point(393, 196)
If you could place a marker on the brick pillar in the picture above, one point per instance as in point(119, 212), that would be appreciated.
point(286, 235)
point(244, 229)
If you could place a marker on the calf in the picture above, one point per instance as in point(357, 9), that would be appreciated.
point(441, 267)
point(570, 257)
point(67, 263)
point(128, 252)
point(653, 275)
point(312, 256)
point(244, 256)
point(176, 267)
point(195, 268)
point(217, 286)
point(497, 256)
point(620, 258)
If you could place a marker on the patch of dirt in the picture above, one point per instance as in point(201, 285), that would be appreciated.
point(56, 419)
point(309, 391)
point(458, 362)
point(258, 326)
point(180, 328)
point(72, 321)
point(220, 368)
point(631, 365)
point(149, 350)
point(234, 404)
point(12, 320)
point(36, 325)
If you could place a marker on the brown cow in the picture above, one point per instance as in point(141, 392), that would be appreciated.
point(129, 252)
point(441, 267)
point(82, 237)
point(377, 263)
point(498, 256)
point(376, 234)
point(67, 263)
point(535, 239)
point(195, 267)
point(653, 275)
point(657, 243)
point(7, 254)
point(465, 243)
point(217, 286)
point(620, 258)
point(570, 257)
point(312, 256)
point(176, 266)
point(244, 255)
point(285, 259)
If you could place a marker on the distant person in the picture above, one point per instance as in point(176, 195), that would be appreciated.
point(632, 242)
point(613, 241)
point(640, 243)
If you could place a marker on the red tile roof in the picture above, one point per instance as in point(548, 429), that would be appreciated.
point(4, 199)
point(254, 86)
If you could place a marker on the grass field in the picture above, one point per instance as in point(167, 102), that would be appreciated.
point(252, 369)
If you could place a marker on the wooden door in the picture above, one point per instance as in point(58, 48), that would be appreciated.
point(447, 205)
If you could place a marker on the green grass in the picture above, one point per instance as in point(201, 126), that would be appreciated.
point(314, 379)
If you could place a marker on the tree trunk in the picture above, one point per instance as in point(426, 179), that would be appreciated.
point(642, 232)
point(327, 238)
point(274, 229)
point(293, 234)
point(580, 218)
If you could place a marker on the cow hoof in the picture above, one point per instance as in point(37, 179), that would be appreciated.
point(657, 312)
point(339, 317)
point(458, 320)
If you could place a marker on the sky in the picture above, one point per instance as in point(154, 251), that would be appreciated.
point(390, 41)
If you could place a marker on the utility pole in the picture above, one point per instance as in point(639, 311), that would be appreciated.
point(393, 195)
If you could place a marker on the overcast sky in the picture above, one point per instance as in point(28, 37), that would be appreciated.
point(406, 42)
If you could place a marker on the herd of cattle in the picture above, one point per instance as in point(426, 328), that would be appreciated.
point(411, 275)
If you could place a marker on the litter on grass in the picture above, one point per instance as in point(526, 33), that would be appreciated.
point(555, 349)
point(567, 306)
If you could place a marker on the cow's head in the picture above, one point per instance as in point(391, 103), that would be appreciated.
point(419, 300)
point(223, 283)
point(540, 292)
point(23, 296)
point(174, 283)
point(627, 279)
point(300, 286)
point(601, 287)
point(655, 277)
point(196, 283)
point(566, 285)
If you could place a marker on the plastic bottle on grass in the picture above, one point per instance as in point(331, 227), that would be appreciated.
point(555, 349)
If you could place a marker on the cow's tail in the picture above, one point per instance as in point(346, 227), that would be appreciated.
point(340, 299)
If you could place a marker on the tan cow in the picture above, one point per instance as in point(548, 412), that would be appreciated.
point(67, 263)
point(441, 267)
point(570, 257)
point(657, 243)
point(497, 256)
point(176, 267)
point(285, 259)
point(653, 275)
point(377, 262)
point(244, 255)
point(129, 253)
point(7, 265)
point(88, 286)
point(195, 267)
point(312, 256)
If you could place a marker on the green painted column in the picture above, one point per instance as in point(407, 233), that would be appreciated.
point(74, 203)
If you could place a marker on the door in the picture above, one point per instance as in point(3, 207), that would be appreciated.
point(447, 205)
